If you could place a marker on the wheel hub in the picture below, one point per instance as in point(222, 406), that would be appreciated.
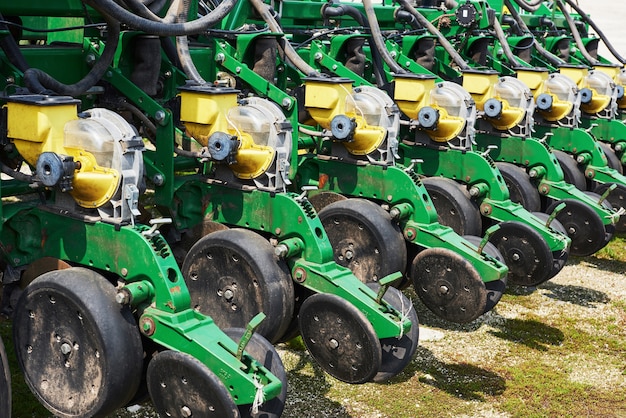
point(583, 226)
point(448, 285)
point(340, 338)
point(525, 252)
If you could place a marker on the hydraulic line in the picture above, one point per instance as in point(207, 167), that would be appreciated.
point(40, 82)
point(433, 30)
point(554, 60)
point(377, 36)
point(531, 6)
point(12, 49)
point(163, 29)
point(504, 44)
point(290, 52)
point(144, 11)
point(595, 27)
point(353, 12)
point(182, 45)
point(576, 34)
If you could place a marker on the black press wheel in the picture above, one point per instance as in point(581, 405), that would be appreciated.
point(521, 190)
point(454, 206)
point(181, 386)
point(262, 351)
point(560, 259)
point(5, 383)
point(448, 285)
point(617, 198)
point(80, 351)
point(495, 288)
point(233, 274)
point(572, 173)
point(397, 352)
point(583, 225)
point(526, 253)
point(612, 159)
point(364, 238)
point(340, 338)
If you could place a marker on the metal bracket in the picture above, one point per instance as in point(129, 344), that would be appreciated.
point(247, 335)
point(485, 239)
point(156, 224)
point(385, 282)
point(131, 196)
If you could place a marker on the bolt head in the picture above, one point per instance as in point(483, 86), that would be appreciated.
point(66, 348)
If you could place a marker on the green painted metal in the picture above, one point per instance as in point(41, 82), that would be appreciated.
point(498, 207)
point(34, 232)
point(399, 188)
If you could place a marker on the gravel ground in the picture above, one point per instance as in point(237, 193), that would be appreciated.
point(587, 292)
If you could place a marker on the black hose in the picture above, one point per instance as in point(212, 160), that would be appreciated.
point(264, 11)
point(576, 34)
point(379, 41)
point(598, 31)
point(163, 29)
point(344, 10)
point(531, 6)
point(354, 13)
point(17, 175)
point(503, 42)
point(12, 49)
point(553, 59)
point(40, 82)
point(456, 57)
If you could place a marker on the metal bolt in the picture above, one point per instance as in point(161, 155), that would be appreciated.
point(333, 343)
point(185, 411)
point(349, 255)
point(158, 179)
point(167, 74)
point(444, 290)
point(220, 57)
point(159, 115)
point(228, 294)
point(515, 257)
point(318, 56)
point(474, 191)
point(281, 250)
point(66, 348)
point(571, 231)
point(122, 297)
point(90, 59)
point(286, 103)
point(580, 159)
point(124, 271)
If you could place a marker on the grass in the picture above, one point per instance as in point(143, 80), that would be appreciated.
point(557, 351)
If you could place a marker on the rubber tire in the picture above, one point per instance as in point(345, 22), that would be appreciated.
point(5, 383)
point(264, 352)
point(376, 242)
point(612, 159)
point(197, 386)
point(559, 262)
point(495, 288)
point(616, 200)
point(340, 315)
point(454, 206)
point(521, 190)
point(397, 355)
point(572, 173)
point(111, 331)
point(264, 284)
point(579, 246)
